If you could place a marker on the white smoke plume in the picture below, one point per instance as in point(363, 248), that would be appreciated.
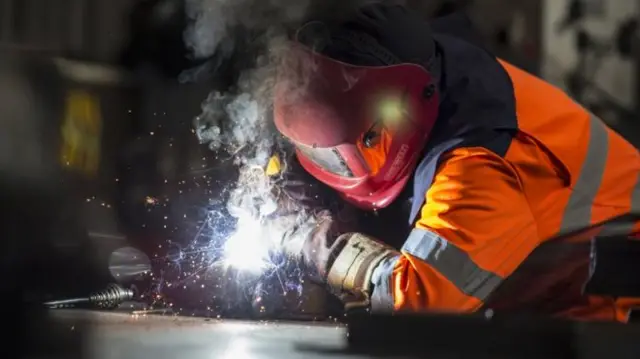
point(213, 21)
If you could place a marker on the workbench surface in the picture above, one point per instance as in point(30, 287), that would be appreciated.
point(113, 335)
point(127, 336)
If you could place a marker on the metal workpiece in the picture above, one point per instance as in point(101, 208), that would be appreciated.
point(138, 335)
point(309, 302)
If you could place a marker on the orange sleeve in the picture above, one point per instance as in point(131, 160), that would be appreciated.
point(475, 228)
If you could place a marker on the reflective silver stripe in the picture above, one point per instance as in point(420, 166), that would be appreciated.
point(577, 214)
point(382, 297)
point(452, 262)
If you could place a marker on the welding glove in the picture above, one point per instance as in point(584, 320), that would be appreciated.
point(326, 240)
point(345, 261)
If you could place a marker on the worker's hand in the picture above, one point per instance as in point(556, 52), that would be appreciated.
point(322, 244)
point(343, 260)
point(312, 239)
point(325, 240)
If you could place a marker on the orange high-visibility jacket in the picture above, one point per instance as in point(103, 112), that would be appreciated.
point(514, 162)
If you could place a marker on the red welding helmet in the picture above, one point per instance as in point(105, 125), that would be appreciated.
point(358, 107)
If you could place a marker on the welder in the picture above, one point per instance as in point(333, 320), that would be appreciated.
point(385, 108)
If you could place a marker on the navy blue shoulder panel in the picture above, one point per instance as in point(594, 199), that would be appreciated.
point(477, 104)
point(475, 90)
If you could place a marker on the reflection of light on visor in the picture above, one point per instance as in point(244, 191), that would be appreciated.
point(391, 111)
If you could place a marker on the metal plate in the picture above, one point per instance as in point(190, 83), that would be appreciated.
point(115, 335)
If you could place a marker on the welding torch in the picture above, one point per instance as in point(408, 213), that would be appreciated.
point(109, 298)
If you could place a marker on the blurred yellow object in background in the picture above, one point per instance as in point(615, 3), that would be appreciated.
point(81, 133)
